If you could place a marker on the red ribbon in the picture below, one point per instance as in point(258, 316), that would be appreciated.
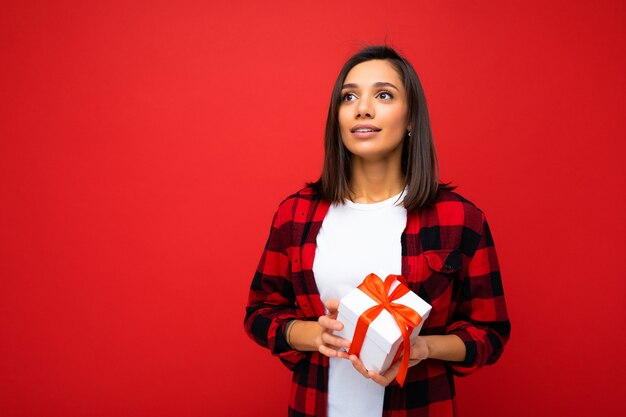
point(406, 318)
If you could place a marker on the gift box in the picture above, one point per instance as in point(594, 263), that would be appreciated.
point(383, 315)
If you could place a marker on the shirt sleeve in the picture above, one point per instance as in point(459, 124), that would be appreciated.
point(271, 299)
point(480, 318)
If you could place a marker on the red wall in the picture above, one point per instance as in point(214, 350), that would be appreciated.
point(144, 147)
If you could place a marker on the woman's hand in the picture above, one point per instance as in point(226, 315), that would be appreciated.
point(328, 344)
point(318, 336)
point(419, 352)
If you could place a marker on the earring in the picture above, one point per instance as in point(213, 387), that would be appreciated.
point(409, 133)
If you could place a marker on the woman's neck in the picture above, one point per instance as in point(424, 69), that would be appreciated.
point(374, 181)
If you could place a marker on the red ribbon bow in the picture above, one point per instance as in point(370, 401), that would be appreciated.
point(406, 318)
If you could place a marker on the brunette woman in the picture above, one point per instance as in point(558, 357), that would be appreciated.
point(378, 207)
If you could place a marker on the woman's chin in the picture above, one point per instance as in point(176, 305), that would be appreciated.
point(372, 154)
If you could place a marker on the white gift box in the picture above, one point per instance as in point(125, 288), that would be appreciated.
point(383, 337)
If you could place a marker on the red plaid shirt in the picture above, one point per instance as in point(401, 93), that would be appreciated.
point(448, 259)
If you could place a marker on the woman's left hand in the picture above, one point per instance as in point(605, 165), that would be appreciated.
point(419, 352)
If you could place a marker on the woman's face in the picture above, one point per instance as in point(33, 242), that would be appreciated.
point(373, 111)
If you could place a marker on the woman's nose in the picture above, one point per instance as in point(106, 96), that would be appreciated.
point(364, 109)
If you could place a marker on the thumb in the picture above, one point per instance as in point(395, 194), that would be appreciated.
point(332, 304)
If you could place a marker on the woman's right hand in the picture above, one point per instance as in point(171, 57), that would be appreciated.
point(327, 343)
point(311, 336)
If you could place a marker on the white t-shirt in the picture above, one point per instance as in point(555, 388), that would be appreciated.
point(355, 240)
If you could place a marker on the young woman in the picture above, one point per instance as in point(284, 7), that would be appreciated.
point(377, 207)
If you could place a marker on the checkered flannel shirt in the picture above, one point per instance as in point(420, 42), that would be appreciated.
point(448, 259)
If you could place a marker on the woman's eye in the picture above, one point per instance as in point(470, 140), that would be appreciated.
point(348, 97)
point(385, 95)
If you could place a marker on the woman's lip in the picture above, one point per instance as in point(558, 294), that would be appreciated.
point(365, 126)
point(365, 135)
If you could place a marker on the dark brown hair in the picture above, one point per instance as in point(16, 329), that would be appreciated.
point(419, 159)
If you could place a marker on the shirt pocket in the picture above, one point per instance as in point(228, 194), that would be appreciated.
point(436, 281)
point(437, 270)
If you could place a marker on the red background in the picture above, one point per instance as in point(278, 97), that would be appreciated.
point(144, 147)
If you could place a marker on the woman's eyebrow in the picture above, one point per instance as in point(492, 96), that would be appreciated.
point(378, 84)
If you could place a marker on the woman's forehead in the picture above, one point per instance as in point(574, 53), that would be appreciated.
point(374, 71)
